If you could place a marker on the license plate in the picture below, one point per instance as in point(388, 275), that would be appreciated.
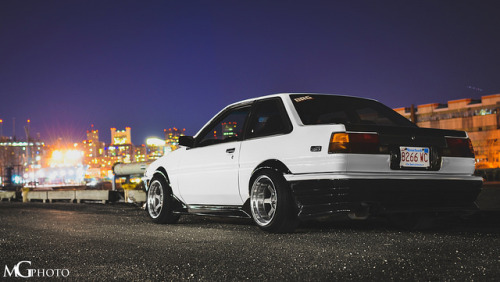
point(414, 157)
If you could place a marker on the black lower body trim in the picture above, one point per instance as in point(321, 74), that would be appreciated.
point(213, 210)
point(322, 197)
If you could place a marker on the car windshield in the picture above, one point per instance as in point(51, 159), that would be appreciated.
point(328, 109)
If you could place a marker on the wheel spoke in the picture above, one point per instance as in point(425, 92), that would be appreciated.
point(263, 200)
point(158, 208)
point(271, 212)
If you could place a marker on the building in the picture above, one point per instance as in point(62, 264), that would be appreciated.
point(172, 138)
point(120, 137)
point(140, 154)
point(100, 157)
point(20, 160)
point(121, 148)
point(479, 117)
point(93, 149)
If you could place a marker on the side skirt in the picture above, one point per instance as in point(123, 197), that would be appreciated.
point(213, 210)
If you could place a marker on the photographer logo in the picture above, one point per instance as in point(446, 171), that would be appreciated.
point(23, 270)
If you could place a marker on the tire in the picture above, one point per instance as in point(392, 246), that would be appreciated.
point(160, 201)
point(271, 202)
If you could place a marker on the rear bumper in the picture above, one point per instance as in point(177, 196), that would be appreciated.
point(323, 194)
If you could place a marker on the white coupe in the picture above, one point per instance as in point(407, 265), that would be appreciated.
point(284, 158)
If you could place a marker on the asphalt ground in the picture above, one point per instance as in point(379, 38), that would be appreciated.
point(118, 242)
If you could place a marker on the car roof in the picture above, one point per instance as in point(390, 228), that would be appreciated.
point(283, 95)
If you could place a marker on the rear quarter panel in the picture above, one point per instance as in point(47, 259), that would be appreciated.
point(293, 150)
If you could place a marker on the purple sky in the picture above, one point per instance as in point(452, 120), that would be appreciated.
point(152, 64)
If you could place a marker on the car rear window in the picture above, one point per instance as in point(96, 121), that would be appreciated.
point(328, 109)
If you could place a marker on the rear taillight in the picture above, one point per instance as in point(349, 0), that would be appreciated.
point(358, 143)
point(458, 147)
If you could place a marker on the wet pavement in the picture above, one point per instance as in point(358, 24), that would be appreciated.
point(118, 242)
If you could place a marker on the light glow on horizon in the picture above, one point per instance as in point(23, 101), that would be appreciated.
point(154, 141)
point(62, 158)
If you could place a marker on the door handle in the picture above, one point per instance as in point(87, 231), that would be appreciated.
point(230, 151)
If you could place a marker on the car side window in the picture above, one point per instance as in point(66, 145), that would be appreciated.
point(226, 129)
point(268, 118)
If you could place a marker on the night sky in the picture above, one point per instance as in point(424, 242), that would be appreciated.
point(152, 65)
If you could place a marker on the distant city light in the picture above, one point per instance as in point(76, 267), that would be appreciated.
point(17, 179)
point(79, 162)
point(66, 158)
point(57, 156)
point(154, 141)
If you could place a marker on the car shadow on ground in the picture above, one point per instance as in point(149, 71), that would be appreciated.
point(483, 222)
point(479, 222)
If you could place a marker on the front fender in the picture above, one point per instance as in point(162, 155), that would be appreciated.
point(166, 165)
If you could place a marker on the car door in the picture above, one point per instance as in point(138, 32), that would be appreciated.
point(208, 173)
point(266, 139)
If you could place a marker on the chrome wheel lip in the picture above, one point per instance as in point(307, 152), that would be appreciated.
point(263, 200)
point(155, 199)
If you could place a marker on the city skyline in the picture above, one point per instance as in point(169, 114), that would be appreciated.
point(157, 64)
point(69, 140)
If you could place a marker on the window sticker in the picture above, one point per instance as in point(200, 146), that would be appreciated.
point(302, 99)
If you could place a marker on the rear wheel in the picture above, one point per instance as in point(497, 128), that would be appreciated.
point(271, 202)
point(160, 201)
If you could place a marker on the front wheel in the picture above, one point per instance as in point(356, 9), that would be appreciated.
point(160, 201)
point(271, 202)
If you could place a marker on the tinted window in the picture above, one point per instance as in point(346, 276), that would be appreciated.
point(268, 118)
point(227, 128)
point(325, 109)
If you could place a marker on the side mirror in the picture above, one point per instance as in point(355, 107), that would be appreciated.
point(186, 141)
